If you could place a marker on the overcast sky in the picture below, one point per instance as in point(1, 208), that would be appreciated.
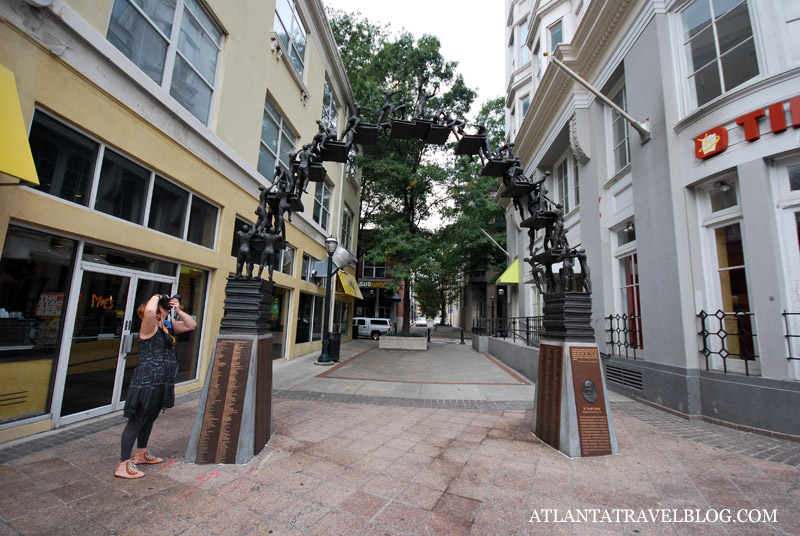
point(471, 32)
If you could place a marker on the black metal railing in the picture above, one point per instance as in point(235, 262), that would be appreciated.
point(728, 336)
point(790, 335)
point(526, 329)
point(625, 335)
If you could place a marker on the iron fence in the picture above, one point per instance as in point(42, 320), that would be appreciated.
point(527, 329)
point(728, 335)
point(790, 335)
point(625, 334)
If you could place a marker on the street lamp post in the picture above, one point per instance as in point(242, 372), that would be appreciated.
point(324, 358)
point(500, 292)
point(492, 329)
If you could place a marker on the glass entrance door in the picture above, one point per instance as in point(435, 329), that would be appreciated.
point(95, 347)
point(104, 348)
point(145, 289)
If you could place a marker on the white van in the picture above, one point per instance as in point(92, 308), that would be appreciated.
point(370, 327)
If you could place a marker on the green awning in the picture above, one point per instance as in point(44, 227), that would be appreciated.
point(511, 275)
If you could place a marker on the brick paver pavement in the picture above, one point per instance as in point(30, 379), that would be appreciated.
point(356, 465)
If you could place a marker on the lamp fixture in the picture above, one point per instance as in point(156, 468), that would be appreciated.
point(331, 244)
point(629, 227)
point(723, 186)
point(501, 291)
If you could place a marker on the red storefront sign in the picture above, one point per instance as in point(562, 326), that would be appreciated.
point(715, 141)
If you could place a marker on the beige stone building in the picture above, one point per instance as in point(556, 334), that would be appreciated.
point(151, 126)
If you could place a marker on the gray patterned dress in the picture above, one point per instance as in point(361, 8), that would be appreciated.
point(152, 386)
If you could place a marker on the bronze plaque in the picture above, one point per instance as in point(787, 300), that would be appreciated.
point(222, 418)
point(548, 394)
point(263, 418)
point(590, 401)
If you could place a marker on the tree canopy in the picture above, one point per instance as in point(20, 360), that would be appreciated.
point(405, 182)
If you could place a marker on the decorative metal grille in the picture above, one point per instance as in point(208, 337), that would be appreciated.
point(625, 335)
point(790, 335)
point(728, 335)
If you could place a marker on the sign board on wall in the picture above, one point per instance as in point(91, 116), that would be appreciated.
point(715, 140)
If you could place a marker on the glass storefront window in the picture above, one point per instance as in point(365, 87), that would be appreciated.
point(168, 208)
point(35, 272)
point(309, 318)
point(202, 223)
point(122, 190)
point(123, 259)
point(277, 323)
point(64, 159)
point(192, 287)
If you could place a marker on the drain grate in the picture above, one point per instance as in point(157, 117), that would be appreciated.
point(632, 379)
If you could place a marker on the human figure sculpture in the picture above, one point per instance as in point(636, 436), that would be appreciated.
point(243, 255)
point(323, 135)
point(273, 243)
point(303, 169)
point(537, 272)
point(566, 272)
point(485, 150)
point(422, 99)
point(504, 152)
point(352, 124)
point(586, 280)
point(387, 108)
point(284, 206)
point(262, 211)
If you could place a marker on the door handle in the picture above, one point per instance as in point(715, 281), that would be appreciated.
point(127, 343)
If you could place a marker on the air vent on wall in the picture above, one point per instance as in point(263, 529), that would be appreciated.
point(632, 379)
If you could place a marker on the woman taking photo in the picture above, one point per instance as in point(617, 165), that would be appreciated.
point(152, 386)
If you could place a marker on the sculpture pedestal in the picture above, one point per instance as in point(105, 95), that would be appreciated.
point(571, 411)
point(234, 416)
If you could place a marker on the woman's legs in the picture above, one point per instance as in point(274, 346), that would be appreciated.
point(144, 432)
point(136, 431)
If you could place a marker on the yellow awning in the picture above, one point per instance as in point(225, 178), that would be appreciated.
point(349, 285)
point(15, 151)
point(511, 275)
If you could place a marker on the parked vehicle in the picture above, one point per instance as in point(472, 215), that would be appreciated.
point(422, 321)
point(371, 327)
point(437, 320)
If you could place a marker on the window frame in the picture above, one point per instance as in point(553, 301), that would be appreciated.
point(330, 109)
point(710, 222)
point(290, 46)
point(100, 155)
point(346, 233)
point(173, 41)
point(373, 266)
point(614, 118)
point(623, 251)
point(560, 24)
point(319, 201)
point(683, 41)
point(284, 132)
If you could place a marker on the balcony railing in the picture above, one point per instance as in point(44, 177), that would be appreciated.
point(526, 329)
point(625, 335)
point(728, 336)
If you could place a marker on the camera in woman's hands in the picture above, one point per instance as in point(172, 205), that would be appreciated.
point(164, 299)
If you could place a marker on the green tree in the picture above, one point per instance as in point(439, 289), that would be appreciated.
point(399, 177)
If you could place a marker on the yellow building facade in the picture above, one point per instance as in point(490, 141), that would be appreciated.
point(152, 126)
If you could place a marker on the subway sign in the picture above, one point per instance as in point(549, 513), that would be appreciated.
point(715, 141)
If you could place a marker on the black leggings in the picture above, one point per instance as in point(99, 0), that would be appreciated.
point(137, 430)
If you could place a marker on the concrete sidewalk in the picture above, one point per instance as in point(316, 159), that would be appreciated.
point(344, 463)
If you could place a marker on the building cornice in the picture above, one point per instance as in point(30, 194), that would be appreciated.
point(599, 25)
